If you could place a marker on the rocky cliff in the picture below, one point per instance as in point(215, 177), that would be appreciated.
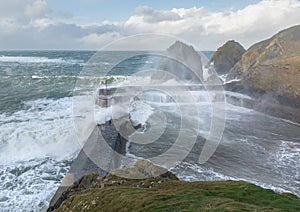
point(272, 66)
point(227, 56)
point(181, 62)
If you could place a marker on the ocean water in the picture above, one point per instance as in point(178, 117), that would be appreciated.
point(38, 140)
point(37, 135)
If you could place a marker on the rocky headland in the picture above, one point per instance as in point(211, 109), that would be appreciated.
point(269, 71)
point(272, 65)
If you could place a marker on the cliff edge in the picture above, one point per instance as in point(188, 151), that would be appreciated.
point(167, 193)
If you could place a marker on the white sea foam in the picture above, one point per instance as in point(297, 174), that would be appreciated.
point(45, 129)
point(223, 77)
point(233, 80)
point(140, 112)
point(22, 59)
point(238, 95)
point(37, 77)
point(29, 186)
point(206, 73)
point(285, 158)
point(194, 172)
point(36, 147)
point(102, 115)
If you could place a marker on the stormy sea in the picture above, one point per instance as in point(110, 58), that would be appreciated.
point(38, 140)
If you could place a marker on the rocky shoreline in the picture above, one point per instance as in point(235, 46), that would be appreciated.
point(266, 102)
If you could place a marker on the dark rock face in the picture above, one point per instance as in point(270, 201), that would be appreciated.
point(227, 56)
point(182, 62)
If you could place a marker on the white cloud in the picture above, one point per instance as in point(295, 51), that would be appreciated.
point(7, 25)
point(37, 9)
point(263, 16)
point(96, 41)
point(150, 15)
point(12, 8)
point(247, 25)
point(21, 14)
point(28, 23)
point(42, 23)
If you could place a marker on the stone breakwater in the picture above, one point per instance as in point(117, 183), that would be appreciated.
point(91, 155)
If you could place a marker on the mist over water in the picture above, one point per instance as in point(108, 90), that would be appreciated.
point(38, 142)
point(254, 147)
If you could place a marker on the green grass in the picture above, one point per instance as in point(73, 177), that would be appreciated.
point(174, 195)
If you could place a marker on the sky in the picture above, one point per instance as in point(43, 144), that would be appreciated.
point(92, 24)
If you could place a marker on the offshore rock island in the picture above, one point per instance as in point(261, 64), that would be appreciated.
point(227, 56)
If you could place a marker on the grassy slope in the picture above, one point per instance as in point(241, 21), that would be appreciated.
point(175, 195)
